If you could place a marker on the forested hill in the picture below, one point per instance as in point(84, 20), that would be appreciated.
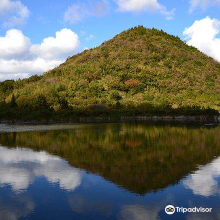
point(140, 71)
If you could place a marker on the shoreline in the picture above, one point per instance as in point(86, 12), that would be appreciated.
point(105, 119)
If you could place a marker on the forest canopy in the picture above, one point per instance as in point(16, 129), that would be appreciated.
point(140, 71)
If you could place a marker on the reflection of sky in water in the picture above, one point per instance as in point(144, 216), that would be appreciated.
point(36, 185)
point(20, 167)
point(136, 212)
point(15, 206)
point(204, 181)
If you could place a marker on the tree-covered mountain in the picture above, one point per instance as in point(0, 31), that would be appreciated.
point(140, 71)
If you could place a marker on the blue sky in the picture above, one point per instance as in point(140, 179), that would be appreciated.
point(28, 26)
point(47, 17)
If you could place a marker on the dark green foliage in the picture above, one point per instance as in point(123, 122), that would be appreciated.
point(6, 88)
point(140, 71)
point(40, 103)
point(13, 103)
point(115, 96)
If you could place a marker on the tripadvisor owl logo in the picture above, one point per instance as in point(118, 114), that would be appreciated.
point(170, 209)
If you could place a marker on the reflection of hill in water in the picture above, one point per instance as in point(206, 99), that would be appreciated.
point(140, 158)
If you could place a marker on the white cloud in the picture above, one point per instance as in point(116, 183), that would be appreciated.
point(144, 5)
point(203, 181)
point(82, 10)
point(14, 44)
point(63, 44)
point(20, 167)
point(203, 4)
point(19, 58)
point(14, 76)
point(74, 14)
point(203, 35)
point(90, 37)
point(13, 13)
point(19, 69)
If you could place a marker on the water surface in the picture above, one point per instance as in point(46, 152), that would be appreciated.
point(108, 171)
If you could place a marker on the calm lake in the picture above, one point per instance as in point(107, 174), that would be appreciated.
point(128, 171)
